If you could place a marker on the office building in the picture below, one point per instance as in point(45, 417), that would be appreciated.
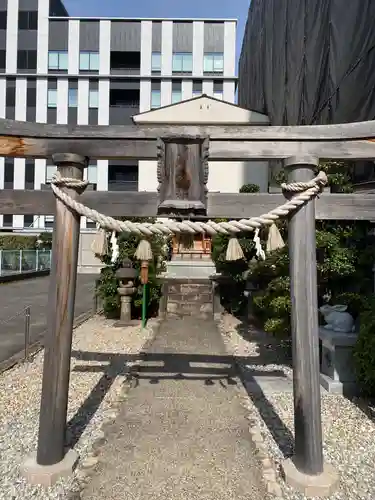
point(68, 70)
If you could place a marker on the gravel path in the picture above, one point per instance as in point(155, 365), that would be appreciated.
point(95, 385)
point(181, 433)
point(349, 435)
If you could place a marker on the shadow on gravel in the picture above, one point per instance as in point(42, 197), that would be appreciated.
point(270, 351)
point(151, 367)
point(116, 365)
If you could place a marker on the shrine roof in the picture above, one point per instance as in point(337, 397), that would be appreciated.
point(203, 109)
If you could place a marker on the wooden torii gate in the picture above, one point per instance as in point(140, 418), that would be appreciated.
point(299, 147)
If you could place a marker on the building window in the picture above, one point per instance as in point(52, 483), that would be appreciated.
point(182, 62)
point(155, 99)
point(197, 88)
point(50, 172)
point(58, 60)
point(92, 174)
point(2, 59)
point(3, 20)
point(94, 99)
point(73, 98)
point(52, 98)
point(176, 92)
point(156, 62)
point(89, 61)
point(48, 221)
point(213, 63)
point(28, 221)
point(26, 59)
point(10, 95)
point(7, 220)
point(28, 20)
point(29, 174)
point(122, 177)
point(125, 61)
point(8, 173)
point(31, 94)
point(218, 90)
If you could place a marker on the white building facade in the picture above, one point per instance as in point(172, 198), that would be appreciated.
point(100, 71)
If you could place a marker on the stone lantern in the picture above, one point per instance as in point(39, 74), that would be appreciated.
point(126, 275)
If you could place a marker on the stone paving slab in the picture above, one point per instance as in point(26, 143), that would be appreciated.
point(180, 434)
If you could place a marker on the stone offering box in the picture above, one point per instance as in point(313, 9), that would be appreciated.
point(337, 373)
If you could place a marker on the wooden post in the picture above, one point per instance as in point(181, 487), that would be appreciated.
point(308, 457)
point(57, 352)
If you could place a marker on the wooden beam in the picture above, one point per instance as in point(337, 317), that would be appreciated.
point(339, 132)
point(20, 147)
point(219, 150)
point(268, 150)
point(220, 205)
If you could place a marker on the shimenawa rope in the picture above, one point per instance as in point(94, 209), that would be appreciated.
point(305, 190)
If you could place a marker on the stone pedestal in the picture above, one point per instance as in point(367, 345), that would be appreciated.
point(337, 366)
point(126, 292)
point(187, 297)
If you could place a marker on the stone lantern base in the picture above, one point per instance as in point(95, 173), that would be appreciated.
point(126, 292)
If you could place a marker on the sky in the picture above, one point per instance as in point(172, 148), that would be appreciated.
point(233, 9)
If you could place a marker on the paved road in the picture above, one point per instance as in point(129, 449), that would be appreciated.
point(16, 296)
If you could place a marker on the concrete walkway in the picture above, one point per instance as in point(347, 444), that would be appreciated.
point(182, 433)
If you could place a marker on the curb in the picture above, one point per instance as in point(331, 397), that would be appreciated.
point(28, 275)
point(269, 468)
point(86, 468)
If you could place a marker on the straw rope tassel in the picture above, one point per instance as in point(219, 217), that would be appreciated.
point(274, 240)
point(234, 250)
point(99, 246)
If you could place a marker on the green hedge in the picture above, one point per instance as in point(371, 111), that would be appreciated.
point(17, 242)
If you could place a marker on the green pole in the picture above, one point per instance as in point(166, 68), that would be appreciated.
point(144, 306)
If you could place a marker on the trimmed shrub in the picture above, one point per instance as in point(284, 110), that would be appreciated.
point(17, 242)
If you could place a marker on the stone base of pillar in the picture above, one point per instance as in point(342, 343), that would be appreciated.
point(322, 485)
point(48, 475)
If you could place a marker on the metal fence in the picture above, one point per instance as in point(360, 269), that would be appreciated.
point(23, 261)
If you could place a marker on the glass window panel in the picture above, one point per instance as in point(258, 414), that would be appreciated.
point(52, 98)
point(208, 64)
point(53, 60)
point(73, 98)
point(63, 60)
point(187, 64)
point(50, 171)
point(156, 61)
point(218, 95)
point(177, 63)
point(94, 61)
point(92, 174)
point(218, 62)
point(84, 61)
point(176, 96)
point(94, 99)
point(155, 99)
